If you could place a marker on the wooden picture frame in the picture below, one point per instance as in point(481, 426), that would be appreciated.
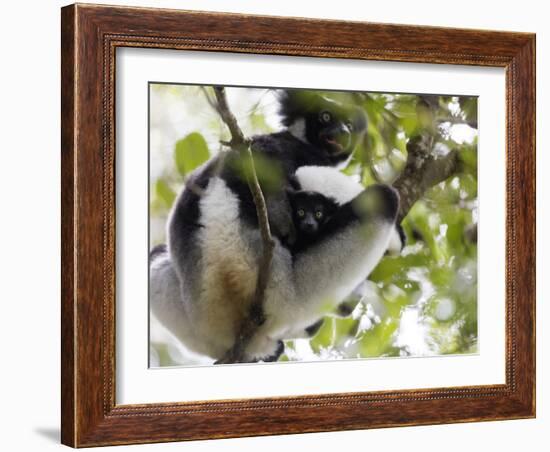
point(90, 36)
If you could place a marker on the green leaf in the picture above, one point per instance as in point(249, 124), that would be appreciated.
point(378, 340)
point(165, 193)
point(191, 152)
point(268, 171)
point(391, 266)
point(324, 337)
point(468, 157)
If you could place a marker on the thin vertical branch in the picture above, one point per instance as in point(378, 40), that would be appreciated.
point(255, 316)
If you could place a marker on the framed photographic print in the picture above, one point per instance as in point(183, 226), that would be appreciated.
point(281, 225)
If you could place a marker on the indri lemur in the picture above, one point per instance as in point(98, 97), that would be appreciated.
point(202, 285)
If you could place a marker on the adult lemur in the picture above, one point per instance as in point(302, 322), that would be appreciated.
point(202, 284)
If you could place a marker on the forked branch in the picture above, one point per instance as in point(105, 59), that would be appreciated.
point(423, 169)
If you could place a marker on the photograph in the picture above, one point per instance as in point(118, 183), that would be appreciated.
point(285, 224)
point(304, 224)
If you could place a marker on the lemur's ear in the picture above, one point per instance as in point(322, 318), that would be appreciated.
point(288, 108)
point(295, 103)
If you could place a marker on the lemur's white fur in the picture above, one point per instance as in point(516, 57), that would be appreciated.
point(329, 182)
point(298, 129)
point(298, 293)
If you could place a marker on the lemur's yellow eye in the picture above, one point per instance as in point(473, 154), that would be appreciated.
point(301, 212)
point(325, 117)
point(318, 214)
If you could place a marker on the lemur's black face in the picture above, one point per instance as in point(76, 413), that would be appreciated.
point(323, 122)
point(310, 210)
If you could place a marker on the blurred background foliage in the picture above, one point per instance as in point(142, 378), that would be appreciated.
point(420, 303)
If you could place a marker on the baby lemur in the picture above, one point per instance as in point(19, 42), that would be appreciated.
point(310, 213)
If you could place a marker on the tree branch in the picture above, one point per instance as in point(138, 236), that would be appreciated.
point(255, 316)
point(423, 170)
